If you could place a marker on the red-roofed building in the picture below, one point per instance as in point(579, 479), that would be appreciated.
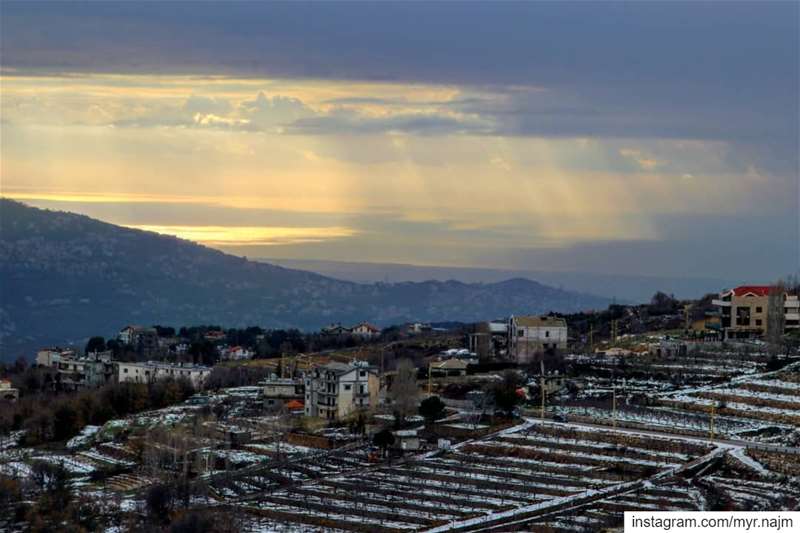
point(365, 329)
point(751, 290)
point(235, 353)
point(745, 311)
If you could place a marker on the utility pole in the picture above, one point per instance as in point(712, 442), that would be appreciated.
point(541, 384)
point(686, 317)
point(614, 401)
point(429, 379)
point(711, 424)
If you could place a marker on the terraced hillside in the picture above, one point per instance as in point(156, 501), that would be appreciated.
point(527, 474)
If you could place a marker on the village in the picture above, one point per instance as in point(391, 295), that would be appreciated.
point(421, 427)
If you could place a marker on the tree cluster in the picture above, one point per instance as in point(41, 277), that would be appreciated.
point(57, 417)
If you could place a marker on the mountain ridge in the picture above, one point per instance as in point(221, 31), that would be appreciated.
point(624, 288)
point(65, 276)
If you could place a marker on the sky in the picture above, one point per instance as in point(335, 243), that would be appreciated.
point(656, 138)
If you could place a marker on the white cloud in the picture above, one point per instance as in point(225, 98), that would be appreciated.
point(218, 121)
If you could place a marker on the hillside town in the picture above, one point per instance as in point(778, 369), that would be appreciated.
point(691, 405)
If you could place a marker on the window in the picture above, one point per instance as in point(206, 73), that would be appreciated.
point(758, 309)
point(758, 322)
point(742, 316)
point(124, 370)
point(547, 333)
point(348, 387)
point(520, 333)
point(362, 373)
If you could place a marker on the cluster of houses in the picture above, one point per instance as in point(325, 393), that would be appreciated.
point(364, 330)
point(335, 390)
point(331, 391)
point(94, 369)
point(146, 341)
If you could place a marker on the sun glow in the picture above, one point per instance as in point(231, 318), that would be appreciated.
point(250, 235)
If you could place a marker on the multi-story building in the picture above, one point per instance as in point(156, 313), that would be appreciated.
point(335, 390)
point(529, 336)
point(143, 340)
point(745, 311)
point(49, 356)
point(77, 372)
point(153, 371)
point(488, 340)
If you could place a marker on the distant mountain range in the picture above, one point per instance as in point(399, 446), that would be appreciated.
point(65, 277)
point(624, 288)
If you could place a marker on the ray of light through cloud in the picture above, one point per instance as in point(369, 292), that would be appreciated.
point(476, 161)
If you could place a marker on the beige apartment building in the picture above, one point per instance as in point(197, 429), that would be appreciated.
point(529, 336)
point(335, 390)
point(745, 311)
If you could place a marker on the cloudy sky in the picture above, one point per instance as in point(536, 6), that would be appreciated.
point(643, 138)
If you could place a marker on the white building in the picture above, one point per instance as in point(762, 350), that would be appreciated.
point(418, 327)
point(532, 335)
point(7, 392)
point(407, 440)
point(50, 356)
point(365, 330)
point(152, 371)
point(236, 353)
point(336, 390)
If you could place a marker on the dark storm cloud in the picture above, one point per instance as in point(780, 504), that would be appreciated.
point(663, 69)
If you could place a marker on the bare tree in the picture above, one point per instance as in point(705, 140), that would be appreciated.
point(775, 317)
point(405, 392)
